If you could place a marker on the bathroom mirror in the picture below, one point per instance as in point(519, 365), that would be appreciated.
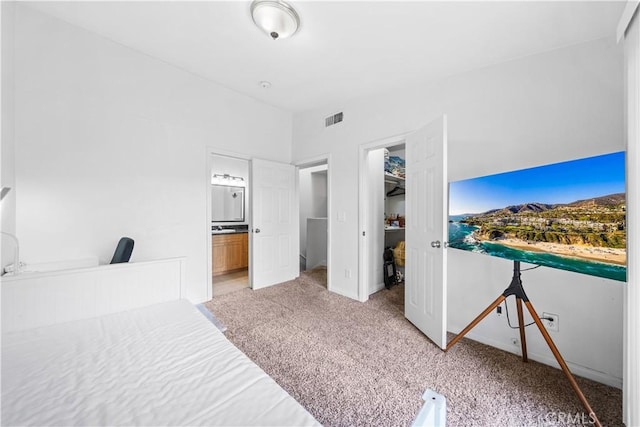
point(227, 203)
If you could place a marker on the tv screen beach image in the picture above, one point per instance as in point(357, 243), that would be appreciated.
point(569, 215)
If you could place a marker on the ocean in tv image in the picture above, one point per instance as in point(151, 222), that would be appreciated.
point(569, 215)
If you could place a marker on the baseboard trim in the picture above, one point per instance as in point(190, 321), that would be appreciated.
point(376, 288)
point(345, 293)
point(549, 360)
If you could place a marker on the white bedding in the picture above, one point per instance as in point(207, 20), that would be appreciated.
point(160, 365)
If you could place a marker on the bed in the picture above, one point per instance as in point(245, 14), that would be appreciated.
point(159, 364)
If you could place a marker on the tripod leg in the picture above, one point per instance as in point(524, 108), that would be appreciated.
point(523, 338)
point(474, 322)
point(563, 365)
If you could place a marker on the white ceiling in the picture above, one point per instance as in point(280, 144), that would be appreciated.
point(343, 49)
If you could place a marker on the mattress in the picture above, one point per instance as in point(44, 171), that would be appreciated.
point(164, 364)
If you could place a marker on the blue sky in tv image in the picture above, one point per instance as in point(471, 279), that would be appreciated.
point(553, 239)
point(555, 183)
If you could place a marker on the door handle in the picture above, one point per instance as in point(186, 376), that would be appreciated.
point(435, 244)
point(257, 230)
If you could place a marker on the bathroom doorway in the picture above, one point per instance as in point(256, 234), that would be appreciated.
point(230, 219)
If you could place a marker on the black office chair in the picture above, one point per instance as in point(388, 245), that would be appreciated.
point(123, 251)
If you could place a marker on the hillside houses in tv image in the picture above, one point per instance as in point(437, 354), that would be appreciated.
point(569, 215)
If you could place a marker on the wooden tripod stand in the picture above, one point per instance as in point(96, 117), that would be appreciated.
point(516, 289)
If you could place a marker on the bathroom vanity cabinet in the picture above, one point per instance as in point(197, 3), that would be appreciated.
point(230, 252)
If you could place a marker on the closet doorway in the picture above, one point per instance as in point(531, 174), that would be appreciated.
point(314, 208)
point(230, 219)
point(384, 169)
point(426, 224)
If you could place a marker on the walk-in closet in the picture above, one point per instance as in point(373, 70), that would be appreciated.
point(394, 215)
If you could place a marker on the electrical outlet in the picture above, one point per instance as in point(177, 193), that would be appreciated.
point(347, 273)
point(552, 325)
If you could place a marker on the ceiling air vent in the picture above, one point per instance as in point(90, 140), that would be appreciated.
point(332, 120)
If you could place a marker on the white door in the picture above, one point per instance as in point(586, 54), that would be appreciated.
point(274, 223)
point(426, 230)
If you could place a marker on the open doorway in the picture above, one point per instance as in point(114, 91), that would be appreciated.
point(426, 224)
point(230, 219)
point(252, 241)
point(385, 214)
point(313, 191)
point(395, 217)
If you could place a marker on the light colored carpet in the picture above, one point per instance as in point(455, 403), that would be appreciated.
point(355, 364)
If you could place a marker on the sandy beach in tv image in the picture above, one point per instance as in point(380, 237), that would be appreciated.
point(607, 255)
point(569, 215)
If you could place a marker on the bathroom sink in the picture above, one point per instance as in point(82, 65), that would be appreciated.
point(225, 231)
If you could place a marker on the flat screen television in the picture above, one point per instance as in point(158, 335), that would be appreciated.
point(569, 215)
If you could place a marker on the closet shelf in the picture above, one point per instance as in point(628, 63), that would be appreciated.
point(394, 229)
point(393, 179)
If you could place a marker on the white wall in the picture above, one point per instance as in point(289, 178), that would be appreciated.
point(540, 109)
point(110, 142)
point(222, 165)
point(316, 252)
point(319, 200)
point(8, 147)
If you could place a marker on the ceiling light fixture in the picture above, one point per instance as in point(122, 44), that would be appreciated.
point(275, 17)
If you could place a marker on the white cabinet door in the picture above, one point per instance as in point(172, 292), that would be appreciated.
point(426, 230)
point(274, 223)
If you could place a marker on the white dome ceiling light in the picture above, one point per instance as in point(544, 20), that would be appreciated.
point(276, 18)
